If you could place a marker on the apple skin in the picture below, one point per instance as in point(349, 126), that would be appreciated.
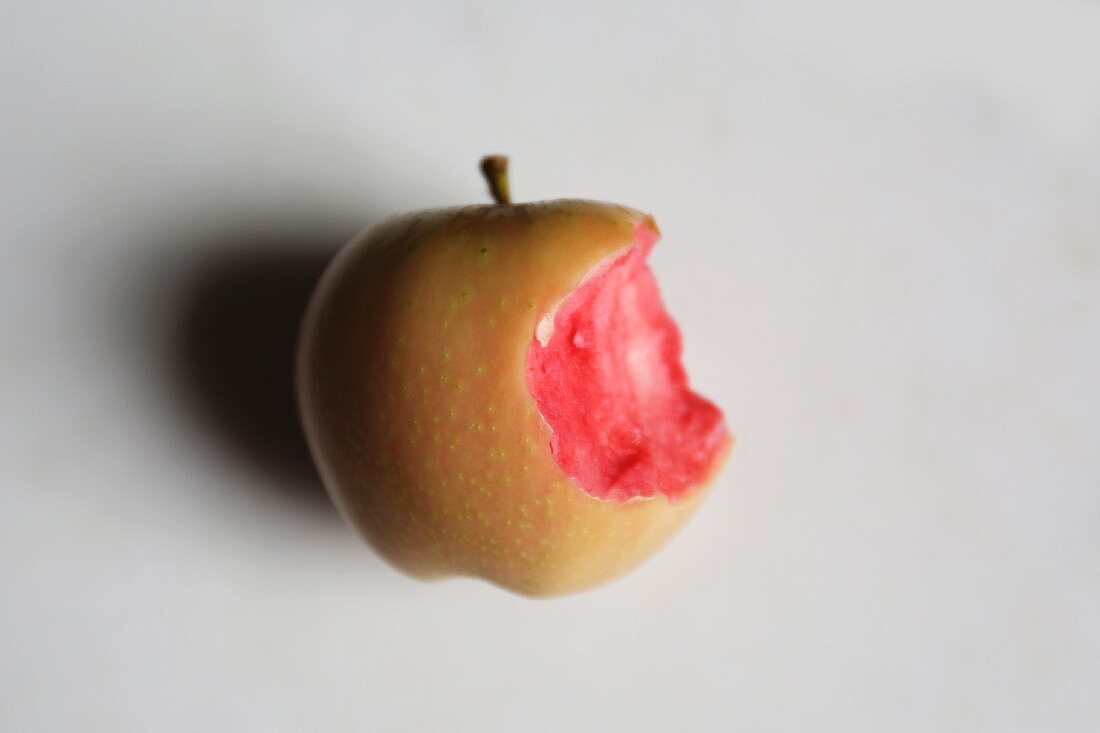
point(412, 392)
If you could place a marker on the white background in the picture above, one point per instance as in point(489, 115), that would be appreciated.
point(882, 240)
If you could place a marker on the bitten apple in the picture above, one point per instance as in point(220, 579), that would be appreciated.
point(497, 391)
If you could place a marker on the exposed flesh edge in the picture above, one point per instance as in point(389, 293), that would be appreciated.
point(604, 370)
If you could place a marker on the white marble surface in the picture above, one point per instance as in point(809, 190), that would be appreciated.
point(883, 244)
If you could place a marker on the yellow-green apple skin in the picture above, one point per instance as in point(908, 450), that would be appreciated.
point(412, 391)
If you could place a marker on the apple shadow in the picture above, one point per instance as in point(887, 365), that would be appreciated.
point(233, 346)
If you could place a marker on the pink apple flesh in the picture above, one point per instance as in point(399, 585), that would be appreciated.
point(608, 380)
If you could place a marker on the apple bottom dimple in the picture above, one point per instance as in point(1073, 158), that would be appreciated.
point(544, 546)
point(609, 383)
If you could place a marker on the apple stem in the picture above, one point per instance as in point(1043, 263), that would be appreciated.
point(495, 170)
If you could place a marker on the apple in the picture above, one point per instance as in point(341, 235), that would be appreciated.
point(497, 391)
